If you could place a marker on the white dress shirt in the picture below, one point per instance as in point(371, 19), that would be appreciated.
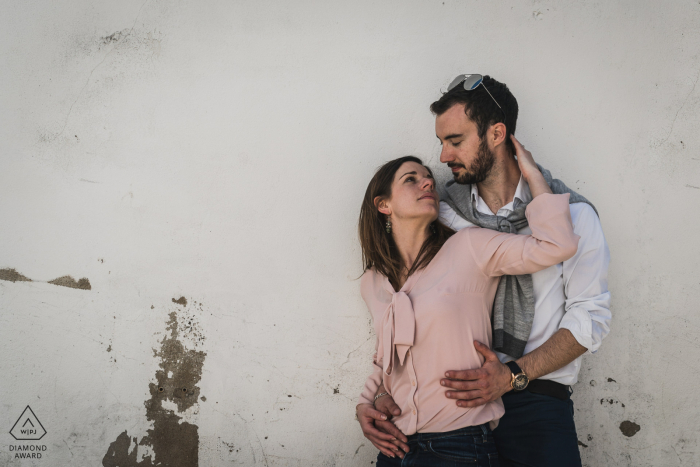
point(572, 295)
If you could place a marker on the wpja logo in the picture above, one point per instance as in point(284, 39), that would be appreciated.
point(28, 428)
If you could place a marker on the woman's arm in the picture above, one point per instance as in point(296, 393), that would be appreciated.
point(552, 240)
point(371, 419)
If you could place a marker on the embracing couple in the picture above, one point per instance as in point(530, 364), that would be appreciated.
point(484, 301)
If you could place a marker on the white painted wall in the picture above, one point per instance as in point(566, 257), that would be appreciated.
point(219, 151)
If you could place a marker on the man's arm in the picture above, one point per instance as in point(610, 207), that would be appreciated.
point(583, 327)
point(486, 384)
point(558, 351)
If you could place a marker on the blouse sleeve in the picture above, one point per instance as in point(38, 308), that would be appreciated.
point(376, 377)
point(373, 382)
point(552, 241)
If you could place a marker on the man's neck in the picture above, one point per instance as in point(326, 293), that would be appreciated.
point(499, 187)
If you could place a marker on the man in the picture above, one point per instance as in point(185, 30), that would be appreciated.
point(543, 323)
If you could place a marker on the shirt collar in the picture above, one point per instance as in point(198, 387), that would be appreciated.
point(522, 193)
point(475, 193)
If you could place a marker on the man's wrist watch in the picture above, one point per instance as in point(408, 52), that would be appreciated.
point(519, 379)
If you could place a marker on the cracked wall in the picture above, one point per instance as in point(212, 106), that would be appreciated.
point(158, 156)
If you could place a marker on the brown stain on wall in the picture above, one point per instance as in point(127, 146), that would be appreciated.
point(68, 281)
point(174, 442)
point(629, 429)
point(181, 301)
point(10, 274)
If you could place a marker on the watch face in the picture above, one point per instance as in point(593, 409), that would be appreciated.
point(520, 382)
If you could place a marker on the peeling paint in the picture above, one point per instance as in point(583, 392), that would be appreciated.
point(173, 441)
point(68, 281)
point(629, 429)
point(119, 447)
point(181, 301)
point(12, 275)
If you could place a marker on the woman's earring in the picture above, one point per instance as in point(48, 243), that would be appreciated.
point(388, 226)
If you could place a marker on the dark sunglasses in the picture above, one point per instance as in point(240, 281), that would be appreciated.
point(471, 82)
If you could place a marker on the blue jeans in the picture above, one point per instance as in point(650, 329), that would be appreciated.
point(471, 446)
point(537, 431)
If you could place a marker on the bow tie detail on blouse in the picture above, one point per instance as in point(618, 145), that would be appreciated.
point(397, 332)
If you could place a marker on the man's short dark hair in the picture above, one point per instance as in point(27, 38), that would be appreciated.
point(481, 109)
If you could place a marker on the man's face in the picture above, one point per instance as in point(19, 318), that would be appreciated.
point(469, 158)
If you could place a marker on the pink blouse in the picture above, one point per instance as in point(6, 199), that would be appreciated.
point(428, 327)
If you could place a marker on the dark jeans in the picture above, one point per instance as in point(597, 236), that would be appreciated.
point(537, 431)
point(471, 446)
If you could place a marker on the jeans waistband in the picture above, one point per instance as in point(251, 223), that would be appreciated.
point(469, 430)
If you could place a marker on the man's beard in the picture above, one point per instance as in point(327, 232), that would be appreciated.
point(480, 168)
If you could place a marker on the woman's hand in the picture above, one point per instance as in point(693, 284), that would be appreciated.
point(525, 161)
point(386, 404)
point(388, 407)
point(367, 415)
point(528, 168)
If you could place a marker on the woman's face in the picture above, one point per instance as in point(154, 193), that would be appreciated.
point(413, 195)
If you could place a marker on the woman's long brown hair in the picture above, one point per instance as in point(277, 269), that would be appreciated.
point(379, 250)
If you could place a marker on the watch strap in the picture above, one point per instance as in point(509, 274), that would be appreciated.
point(514, 368)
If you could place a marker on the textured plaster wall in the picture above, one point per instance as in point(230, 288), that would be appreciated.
point(196, 169)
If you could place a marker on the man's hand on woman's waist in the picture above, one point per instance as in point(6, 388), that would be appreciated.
point(473, 388)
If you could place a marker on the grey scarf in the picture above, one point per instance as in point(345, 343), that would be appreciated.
point(514, 305)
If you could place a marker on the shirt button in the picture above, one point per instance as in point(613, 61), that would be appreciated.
point(413, 383)
point(414, 412)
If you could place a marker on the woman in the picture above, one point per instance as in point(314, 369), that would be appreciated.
point(430, 291)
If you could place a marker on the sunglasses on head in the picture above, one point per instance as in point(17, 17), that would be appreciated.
point(471, 82)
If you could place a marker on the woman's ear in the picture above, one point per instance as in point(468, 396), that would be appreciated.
point(382, 205)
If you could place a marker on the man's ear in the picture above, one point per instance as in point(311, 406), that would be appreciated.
point(382, 205)
point(497, 134)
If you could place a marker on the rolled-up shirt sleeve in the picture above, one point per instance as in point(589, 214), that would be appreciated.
point(587, 307)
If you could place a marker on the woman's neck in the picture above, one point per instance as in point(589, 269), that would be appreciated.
point(409, 238)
